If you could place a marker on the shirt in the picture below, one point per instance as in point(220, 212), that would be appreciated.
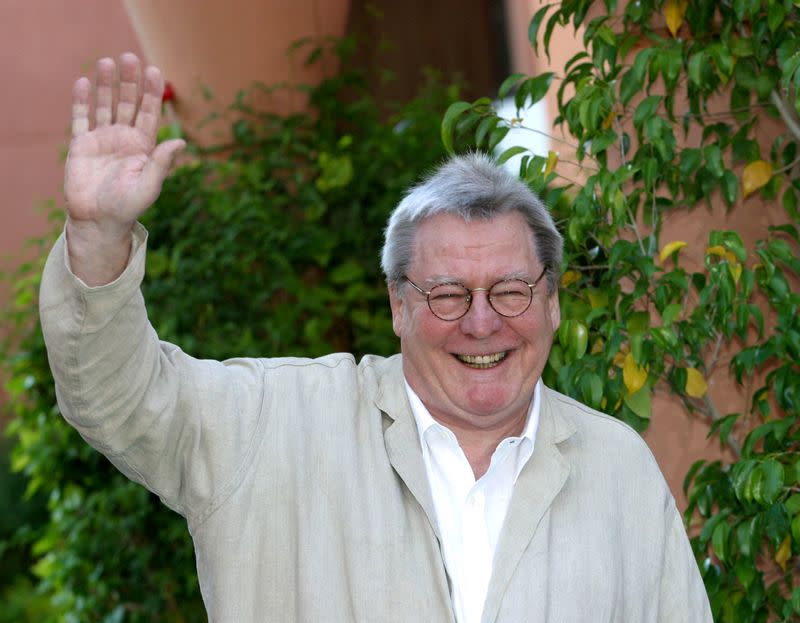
point(470, 513)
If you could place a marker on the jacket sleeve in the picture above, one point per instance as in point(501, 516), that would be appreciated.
point(184, 428)
point(683, 596)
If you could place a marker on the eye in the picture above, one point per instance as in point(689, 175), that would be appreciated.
point(510, 289)
point(449, 291)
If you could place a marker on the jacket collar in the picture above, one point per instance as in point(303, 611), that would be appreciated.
point(536, 488)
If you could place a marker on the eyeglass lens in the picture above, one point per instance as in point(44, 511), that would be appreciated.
point(508, 298)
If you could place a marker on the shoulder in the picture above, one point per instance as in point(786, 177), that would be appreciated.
point(601, 442)
point(334, 361)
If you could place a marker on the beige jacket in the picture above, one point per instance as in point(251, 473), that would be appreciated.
point(303, 485)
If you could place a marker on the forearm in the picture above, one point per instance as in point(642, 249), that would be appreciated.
point(97, 255)
point(145, 404)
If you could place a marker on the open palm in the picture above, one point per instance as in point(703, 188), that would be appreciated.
point(114, 168)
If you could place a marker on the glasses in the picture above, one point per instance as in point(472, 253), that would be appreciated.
point(451, 301)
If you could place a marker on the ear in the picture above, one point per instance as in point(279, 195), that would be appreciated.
point(554, 310)
point(396, 303)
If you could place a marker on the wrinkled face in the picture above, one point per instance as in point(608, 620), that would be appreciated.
point(439, 356)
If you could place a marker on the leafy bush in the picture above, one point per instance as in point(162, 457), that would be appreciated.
point(267, 246)
point(668, 103)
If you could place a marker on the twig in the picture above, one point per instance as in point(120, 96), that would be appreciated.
point(787, 115)
point(787, 167)
point(636, 230)
point(732, 442)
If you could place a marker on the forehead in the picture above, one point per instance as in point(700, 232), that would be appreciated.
point(446, 245)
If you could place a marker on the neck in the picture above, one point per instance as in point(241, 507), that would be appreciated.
point(479, 444)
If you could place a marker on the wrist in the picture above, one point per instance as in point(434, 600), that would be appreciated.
point(98, 253)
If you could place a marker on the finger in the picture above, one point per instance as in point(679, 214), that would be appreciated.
point(129, 77)
point(80, 106)
point(159, 165)
point(150, 108)
point(104, 93)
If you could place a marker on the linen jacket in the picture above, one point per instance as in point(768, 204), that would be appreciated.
point(303, 485)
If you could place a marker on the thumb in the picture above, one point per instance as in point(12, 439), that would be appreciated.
point(161, 161)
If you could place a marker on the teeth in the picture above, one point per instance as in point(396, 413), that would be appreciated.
point(482, 361)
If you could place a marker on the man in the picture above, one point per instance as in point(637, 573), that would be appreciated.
point(443, 484)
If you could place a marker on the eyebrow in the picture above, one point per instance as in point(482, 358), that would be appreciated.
point(438, 280)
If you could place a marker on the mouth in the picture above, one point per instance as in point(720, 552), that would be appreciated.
point(482, 362)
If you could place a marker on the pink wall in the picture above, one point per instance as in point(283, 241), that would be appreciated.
point(46, 42)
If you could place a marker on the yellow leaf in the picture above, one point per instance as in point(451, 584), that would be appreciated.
point(736, 270)
point(597, 346)
point(723, 253)
point(755, 175)
point(717, 249)
point(552, 160)
point(674, 11)
point(784, 552)
point(696, 385)
point(609, 120)
point(569, 277)
point(669, 249)
point(633, 375)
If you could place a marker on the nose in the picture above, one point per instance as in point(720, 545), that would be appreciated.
point(481, 320)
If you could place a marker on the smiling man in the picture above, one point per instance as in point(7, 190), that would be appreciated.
point(446, 483)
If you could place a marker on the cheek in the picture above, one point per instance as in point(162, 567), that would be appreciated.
point(424, 333)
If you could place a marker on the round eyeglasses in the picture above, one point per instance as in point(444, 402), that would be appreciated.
point(451, 301)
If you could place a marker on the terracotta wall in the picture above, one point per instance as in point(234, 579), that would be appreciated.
point(45, 43)
point(48, 41)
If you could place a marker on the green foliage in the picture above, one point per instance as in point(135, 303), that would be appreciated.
point(666, 119)
point(267, 246)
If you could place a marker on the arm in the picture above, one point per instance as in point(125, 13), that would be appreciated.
point(683, 595)
point(181, 426)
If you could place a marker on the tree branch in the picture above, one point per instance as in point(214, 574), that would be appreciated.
point(787, 114)
point(715, 415)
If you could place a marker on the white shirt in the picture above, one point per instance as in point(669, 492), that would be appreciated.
point(470, 513)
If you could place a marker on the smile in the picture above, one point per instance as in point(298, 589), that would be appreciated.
point(482, 362)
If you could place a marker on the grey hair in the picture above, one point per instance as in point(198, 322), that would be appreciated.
point(471, 186)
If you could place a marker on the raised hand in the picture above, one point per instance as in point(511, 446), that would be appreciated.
point(114, 168)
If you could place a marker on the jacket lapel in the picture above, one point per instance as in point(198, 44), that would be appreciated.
point(401, 436)
point(538, 484)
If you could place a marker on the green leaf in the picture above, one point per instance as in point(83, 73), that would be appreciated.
point(793, 504)
point(601, 143)
point(638, 322)
point(719, 540)
point(772, 483)
point(646, 109)
point(723, 61)
point(640, 402)
point(538, 86)
point(697, 64)
point(486, 125)
point(730, 187)
point(508, 84)
point(670, 313)
point(510, 153)
point(630, 85)
point(713, 158)
point(592, 390)
point(497, 135)
point(533, 27)
point(776, 13)
point(348, 272)
point(451, 116)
